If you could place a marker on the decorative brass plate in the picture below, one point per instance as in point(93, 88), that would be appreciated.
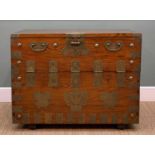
point(109, 99)
point(98, 66)
point(120, 66)
point(42, 100)
point(76, 99)
point(75, 66)
point(30, 66)
point(75, 45)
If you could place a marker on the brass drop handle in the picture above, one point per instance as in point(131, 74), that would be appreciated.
point(113, 46)
point(38, 46)
point(75, 43)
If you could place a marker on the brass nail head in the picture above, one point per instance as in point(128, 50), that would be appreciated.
point(132, 114)
point(19, 62)
point(130, 77)
point(131, 61)
point(19, 116)
point(19, 77)
point(131, 44)
point(55, 44)
point(19, 44)
point(96, 44)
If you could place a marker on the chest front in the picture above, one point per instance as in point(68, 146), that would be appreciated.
point(75, 78)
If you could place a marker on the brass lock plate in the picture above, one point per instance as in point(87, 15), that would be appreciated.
point(75, 45)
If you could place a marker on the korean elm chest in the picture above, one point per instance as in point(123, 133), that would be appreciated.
point(65, 77)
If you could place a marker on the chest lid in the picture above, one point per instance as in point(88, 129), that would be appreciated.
point(82, 50)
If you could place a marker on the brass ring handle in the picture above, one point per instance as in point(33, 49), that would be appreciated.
point(75, 43)
point(38, 46)
point(113, 46)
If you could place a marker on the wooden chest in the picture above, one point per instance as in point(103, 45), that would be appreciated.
point(67, 77)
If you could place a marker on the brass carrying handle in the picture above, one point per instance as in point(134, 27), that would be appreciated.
point(75, 43)
point(38, 46)
point(113, 46)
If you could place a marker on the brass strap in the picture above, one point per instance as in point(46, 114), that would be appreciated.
point(59, 118)
point(120, 69)
point(48, 118)
point(16, 55)
point(37, 118)
point(75, 80)
point(98, 79)
point(53, 74)
point(103, 119)
point(92, 118)
point(53, 66)
point(135, 54)
point(120, 79)
point(16, 98)
point(134, 97)
point(30, 79)
point(114, 119)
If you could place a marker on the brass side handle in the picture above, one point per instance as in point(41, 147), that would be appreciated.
point(38, 46)
point(75, 43)
point(113, 46)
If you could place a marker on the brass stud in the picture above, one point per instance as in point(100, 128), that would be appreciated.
point(55, 44)
point(131, 44)
point(130, 77)
point(132, 114)
point(108, 43)
point(96, 44)
point(19, 77)
point(19, 44)
point(19, 116)
point(19, 62)
point(119, 44)
point(131, 61)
